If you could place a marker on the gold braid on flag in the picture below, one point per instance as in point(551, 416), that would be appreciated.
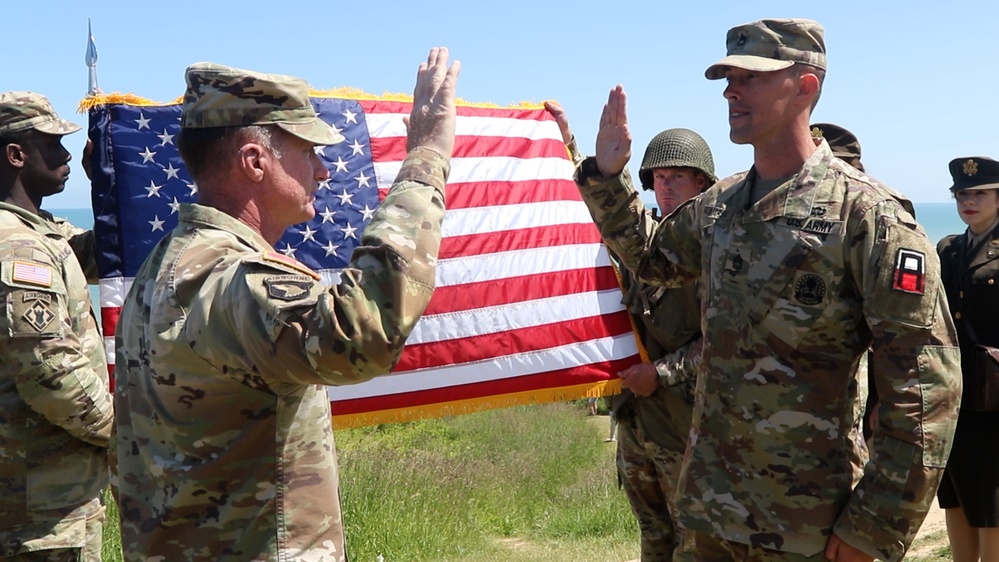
point(472, 405)
point(343, 92)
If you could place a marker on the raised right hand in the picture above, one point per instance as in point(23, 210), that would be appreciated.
point(614, 137)
point(431, 124)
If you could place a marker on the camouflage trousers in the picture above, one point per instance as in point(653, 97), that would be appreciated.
point(652, 436)
point(706, 548)
point(79, 540)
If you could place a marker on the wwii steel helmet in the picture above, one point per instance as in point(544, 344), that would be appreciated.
point(676, 148)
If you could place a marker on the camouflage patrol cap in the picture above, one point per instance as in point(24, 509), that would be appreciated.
point(772, 44)
point(676, 148)
point(842, 142)
point(20, 111)
point(974, 172)
point(222, 96)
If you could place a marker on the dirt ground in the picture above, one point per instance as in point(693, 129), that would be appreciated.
point(931, 536)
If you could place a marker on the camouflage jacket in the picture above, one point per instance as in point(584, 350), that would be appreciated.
point(669, 322)
point(795, 289)
point(224, 446)
point(55, 406)
point(82, 242)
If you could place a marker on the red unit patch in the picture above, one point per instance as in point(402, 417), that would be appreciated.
point(910, 272)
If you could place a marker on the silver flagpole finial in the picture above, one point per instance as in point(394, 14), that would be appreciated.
point(91, 60)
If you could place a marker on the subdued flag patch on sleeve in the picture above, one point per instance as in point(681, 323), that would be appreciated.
point(32, 273)
point(910, 272)
point(282, 259)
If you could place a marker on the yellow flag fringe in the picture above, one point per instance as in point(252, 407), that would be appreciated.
point(343, 92)
point(459, 407)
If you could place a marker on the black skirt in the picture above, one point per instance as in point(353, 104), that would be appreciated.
point(971, 480)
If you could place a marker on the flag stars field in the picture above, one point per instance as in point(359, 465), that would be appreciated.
point(170, 171)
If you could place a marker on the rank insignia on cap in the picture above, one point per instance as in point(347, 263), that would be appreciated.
point(741, 42)
point(32, 273)
point(970, 167)
point(817, 133)
point(910, 272)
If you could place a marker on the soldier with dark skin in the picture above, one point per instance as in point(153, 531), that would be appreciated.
point(224, 445)
point(654, 410)
point(805, 264)
point(55, 406)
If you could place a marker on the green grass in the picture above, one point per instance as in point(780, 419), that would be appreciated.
point(939, 549)
point(111, 547)
point(527, 484)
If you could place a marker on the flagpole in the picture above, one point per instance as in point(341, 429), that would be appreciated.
point(91, 60)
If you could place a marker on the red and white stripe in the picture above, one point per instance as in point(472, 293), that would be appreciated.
point(526, 296)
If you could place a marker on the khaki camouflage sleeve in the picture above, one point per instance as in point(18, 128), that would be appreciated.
point(665, 253)
point(575, 155)
point(916, 367)
point(84, 245)
point(681, 365)
point(299, 331)
point(54, 375)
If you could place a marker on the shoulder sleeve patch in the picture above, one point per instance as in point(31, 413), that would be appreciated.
point(289, 287)
point(274, 257)
point(31, 273)
point(909, 275)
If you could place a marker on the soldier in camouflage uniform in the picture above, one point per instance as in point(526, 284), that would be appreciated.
point(55, 406)
point(805, 263)
point(654, 409)
point(224, 447)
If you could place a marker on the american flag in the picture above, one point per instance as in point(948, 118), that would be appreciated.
point(527, 306)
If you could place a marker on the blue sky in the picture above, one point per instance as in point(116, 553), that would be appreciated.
point(915, 81)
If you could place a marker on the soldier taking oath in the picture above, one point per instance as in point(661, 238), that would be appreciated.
point(805, 263)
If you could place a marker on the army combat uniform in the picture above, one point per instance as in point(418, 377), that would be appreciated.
point(653, 430)
point(55, 406)
point(795, 289)
point(224, 447)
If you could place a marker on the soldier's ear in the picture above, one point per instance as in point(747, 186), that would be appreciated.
point(252, 161)
point(13, 155)
point(808, 86)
